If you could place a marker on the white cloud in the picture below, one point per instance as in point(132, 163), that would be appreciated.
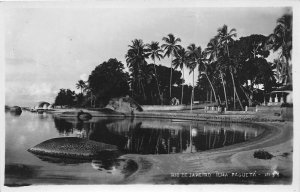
point(40, 89)
point(84, 77)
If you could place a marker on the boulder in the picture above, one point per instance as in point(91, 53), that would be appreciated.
point(73, 147)
point(83, 116)
point(16, 110)
point(124, 105)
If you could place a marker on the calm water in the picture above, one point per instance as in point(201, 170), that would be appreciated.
point(137, 136)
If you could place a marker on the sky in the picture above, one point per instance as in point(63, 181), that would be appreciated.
point(47, 49)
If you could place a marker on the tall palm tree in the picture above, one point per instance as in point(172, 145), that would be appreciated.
point(155, 52)
point(197, 58)
point(226, 37)
point(136, 60)
point(180, 61)
point(212, 51)
point(171, 47)
point(81, 85)
point(281, 39)
point(192, 63)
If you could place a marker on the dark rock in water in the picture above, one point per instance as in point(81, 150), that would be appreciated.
point(261, 154)
point(73, 147)
point(16, 110)
point(7, 108)
point(124, 105)
point(83, 116)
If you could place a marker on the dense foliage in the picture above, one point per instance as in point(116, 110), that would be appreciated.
point(65, 97)
point(108, 80)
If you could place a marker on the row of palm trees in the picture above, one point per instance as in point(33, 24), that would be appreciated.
point(217, 51)
point(192, 57)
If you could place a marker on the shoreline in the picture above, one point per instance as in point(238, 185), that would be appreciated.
point(238, 159)
point(197, 115)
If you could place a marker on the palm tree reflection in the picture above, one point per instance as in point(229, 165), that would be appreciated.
point(143, 136)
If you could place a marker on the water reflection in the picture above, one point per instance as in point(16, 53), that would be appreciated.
point(148, 136)
point(13, 112)
point(61, 161)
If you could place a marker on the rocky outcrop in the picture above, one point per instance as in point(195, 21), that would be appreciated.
point(124, 105)
point(83, 116)
point(16, 110)
point(73, 147)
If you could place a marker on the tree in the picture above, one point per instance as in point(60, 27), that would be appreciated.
point(81, 85)
point(155, 52)
point(163, 74)
point(109, 80)
point(171, 47)
point(65, 97)
point(225, 38)
point(280, 73)
point(180, 61)
point(193, 55)
point(281, 39)
point(249, 54)
point(212, 51)
point(136, 61)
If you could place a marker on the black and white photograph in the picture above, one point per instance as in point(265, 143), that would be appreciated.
point(121, 93)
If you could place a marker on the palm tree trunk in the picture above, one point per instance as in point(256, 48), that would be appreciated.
point(182, 85)
point(235, 93)
point(249, 100)
point(207, 96)
point(143, 90)
point(212, 88)
point(239, 100)
point(157, 83)
point(192, 95)
point(234, 107)
point(224, 90)
point(171, 78)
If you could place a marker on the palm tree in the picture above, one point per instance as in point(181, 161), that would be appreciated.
point(225, 38)
point(279, 68)
point(155, 52)
point(180, 61)
point(281, 39)
point(212, 50)
point(192, 63)
point(81, 85)
point(197, 58)
point(136, 60)
point(170, 48)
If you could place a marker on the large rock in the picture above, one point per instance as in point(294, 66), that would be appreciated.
point(73, 147)
point(16, 110)
point(124, 105)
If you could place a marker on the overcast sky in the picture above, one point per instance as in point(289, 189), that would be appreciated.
point(51, 48)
